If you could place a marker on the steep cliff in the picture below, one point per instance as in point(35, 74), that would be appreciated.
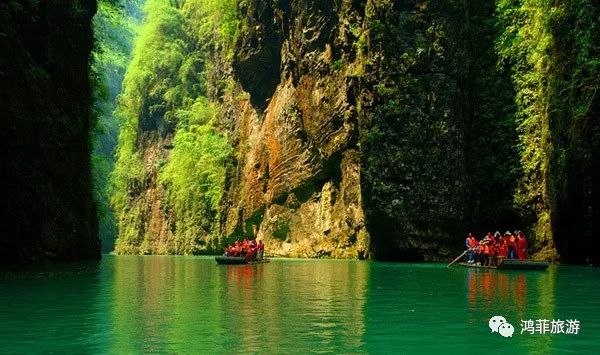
point(429, 119)
point(47, 209)
point(390, 95)
point(115, 29)
point(414, 123)
point(355, 129)
point(552, 51)
point(296, 181)
point(293, 177)
point(168, 178)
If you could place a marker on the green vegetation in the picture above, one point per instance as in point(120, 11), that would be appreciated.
point(492, 163)
point(552, 50)
point(472, 116)
point(115, 27)
point(526, 44)
point(168, 97)
point(193, 179)
point(413, 175)
point(494, 131)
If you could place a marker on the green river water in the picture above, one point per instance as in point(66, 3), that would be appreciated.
point(175, 304)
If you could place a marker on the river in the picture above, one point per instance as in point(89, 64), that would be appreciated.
point(177, 304)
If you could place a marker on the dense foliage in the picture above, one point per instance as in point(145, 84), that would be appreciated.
point(494, 132)
point(492, 165)
point(552, 50)
point(413, 135)
point(474, 116)
point(115, 27)
point(166, 99)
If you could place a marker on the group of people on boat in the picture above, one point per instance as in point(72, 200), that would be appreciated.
point(492, 249)
point(249, 249)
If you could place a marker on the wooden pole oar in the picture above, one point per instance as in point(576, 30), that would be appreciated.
point(458, 257)
point(464, 252)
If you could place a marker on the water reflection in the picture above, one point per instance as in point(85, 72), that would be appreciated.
point(495, 289)
point(294, 305)
point(191, 305)
point(516, 295)
point(179, 304)
point(511, 290)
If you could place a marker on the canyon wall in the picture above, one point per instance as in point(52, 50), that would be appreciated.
point(296, 181)
point(47, 209)
point(364, 129)
point(343, 129)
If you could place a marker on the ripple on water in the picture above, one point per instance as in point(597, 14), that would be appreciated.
point(189, 304)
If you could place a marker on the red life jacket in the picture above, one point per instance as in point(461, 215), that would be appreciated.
point(502, 251)
point(511, 241)
point(472, 242)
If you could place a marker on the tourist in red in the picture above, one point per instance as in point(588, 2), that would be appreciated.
point(485, 252)
point(489, 236)
point(248, 251)
point(511, 244)
point(493, 250)
point(229, 250)
point(486, 246)
point(237, 248)
point(502, 250)
point(477, 253)
point(521, 246)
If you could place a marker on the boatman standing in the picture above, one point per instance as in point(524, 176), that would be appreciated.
point(470, 243)
point(261, 250)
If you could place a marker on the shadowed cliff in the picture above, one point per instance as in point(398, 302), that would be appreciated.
point(47, 209)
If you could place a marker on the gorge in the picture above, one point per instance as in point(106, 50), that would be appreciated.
point(367, 129)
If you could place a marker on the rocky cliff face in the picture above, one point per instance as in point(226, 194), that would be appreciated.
point(360, 129)
point(296, 183)
point(355, 140)
point(413, 128)
point(47, 209)
point(358, 137)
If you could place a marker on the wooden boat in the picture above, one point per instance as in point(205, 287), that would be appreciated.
point(237, 260)
point(513, 264)
point(477, 266)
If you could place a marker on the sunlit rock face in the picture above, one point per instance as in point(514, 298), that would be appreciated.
point(381, 129)
point(47, 210)
point(297, 181)
point(358, 150)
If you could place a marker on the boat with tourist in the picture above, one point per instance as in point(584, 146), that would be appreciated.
point(243, 252)
point(497, 251)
